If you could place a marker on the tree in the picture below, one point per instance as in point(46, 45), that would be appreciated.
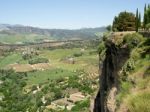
point(148, 26)
point(14, 98)
point(115, 25)
point(144, 18)
point(137, 20)
point(124, 22)
point(109, 28)
point(148, 5)
point(148, 15)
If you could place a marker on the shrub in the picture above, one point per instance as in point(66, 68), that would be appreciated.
point(26, 56)
point(132, 40)
point(101, 47)
point(135, 54)
point(127, 68)
point(38, 60)
point(106, 36)
point(81, 105)
point(77, 54)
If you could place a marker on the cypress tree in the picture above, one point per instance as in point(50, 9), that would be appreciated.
point(145, 8)
point(145, 17)
point(148, 15)
point(137, 20)
point(148, 5)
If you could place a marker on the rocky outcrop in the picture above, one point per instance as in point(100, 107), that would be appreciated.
point(109, 79)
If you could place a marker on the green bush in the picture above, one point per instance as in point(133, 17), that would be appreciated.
point(38, 60)
point(77, 54)
point(132, 40)
point(101, 47)
point(26, 56)
point(80, 106)
point(106, 36)
point(127, 68)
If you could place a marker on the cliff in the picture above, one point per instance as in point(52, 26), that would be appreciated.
point(114, 60)
point(121, 65)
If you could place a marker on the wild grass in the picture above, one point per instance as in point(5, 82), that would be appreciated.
point(143, 84)
point(139, 102)
point(124, 91)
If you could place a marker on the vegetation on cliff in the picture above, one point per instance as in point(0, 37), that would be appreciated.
point(133, 94)
point(134, 77)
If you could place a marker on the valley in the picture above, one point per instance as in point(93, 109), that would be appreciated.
point(74, 56)
point(72, 69)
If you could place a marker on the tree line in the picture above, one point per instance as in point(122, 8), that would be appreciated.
point(128, 21)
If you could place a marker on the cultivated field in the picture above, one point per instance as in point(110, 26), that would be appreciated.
point(62, 63)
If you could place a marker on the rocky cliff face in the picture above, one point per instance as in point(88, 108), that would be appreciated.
point(109, 79)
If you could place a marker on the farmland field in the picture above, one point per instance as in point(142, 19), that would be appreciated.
point(58, 60)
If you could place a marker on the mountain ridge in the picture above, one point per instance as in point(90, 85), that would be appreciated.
point(24, 32)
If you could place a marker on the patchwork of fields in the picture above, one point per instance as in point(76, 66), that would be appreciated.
point(52, 72)
point(58, 66)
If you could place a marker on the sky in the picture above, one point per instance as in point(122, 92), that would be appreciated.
point(65, 14)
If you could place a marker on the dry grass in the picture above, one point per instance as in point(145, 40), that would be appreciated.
point(140, 102)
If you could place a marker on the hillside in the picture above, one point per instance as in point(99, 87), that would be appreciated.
point(125, 78)
point(23, 34)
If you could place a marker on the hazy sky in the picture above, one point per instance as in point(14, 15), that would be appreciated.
point(70, 14)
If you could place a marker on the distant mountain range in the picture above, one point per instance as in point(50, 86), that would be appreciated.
point(28, 33)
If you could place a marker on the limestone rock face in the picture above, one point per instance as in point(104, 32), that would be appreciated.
point(109, 79)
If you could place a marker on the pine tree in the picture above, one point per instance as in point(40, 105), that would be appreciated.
point(137, 20)
point(125, 21)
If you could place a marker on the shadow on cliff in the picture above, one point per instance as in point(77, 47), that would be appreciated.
point(109, 79)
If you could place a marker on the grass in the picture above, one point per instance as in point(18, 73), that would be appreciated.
point(143, 84)
point(38, 77)
point(55, 57)
point(134, 93)
point(139, 102)
point(59, 68)
point(10, 59)
point(58, 53)
point(125, 89)
point(15, 38)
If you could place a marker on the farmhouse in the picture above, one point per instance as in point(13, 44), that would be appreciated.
point(67, 103)
point(61, 104)
point(76, 97)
